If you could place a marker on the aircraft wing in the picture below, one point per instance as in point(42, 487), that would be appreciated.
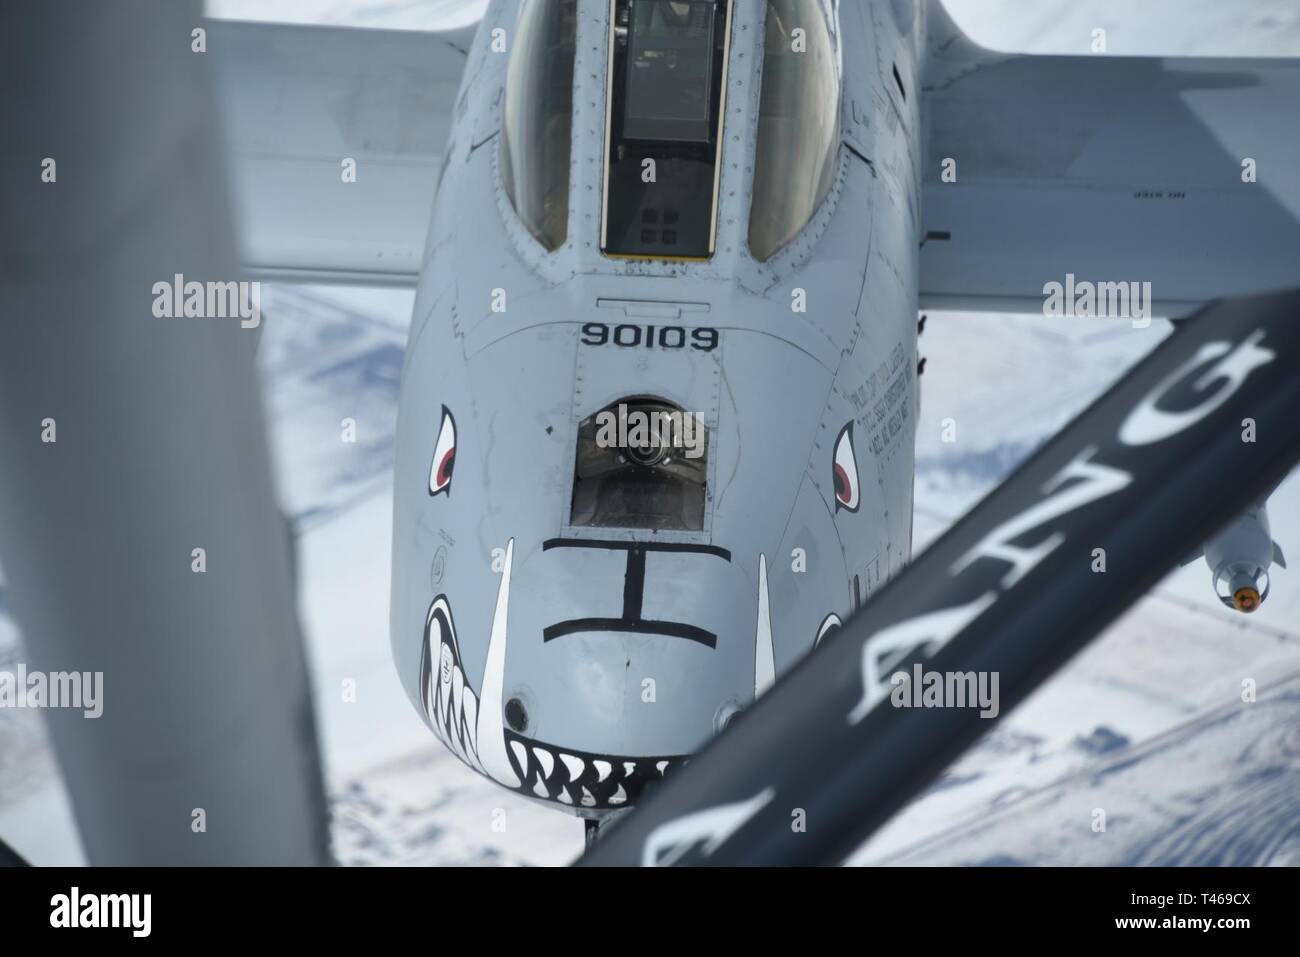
point(1112, 169)
point(299, 100)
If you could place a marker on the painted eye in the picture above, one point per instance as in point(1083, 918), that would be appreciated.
point(830, 623)
point(846, 471)
point(444, 456)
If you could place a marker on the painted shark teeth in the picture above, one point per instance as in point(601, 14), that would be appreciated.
point(764, 653)
point(472, 728)
point(449, 703)
point(575, 766)
point(472, 732)
point(546, 759)
point(491, 732)
point(574, 778)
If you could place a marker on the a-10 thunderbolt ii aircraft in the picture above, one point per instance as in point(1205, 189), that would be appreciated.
point(722, 217)
point(729, 213)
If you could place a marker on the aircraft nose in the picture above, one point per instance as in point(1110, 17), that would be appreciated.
point(626, 651)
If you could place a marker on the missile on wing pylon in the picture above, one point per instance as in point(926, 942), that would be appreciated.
point(1240, 558)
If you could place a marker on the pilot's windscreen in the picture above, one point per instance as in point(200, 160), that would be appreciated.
point(536, 132)
point(798, 126)
point(666, 81)
point(670, 72)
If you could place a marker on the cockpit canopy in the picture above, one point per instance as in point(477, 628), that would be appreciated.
point(798, 124)
point(665, 108)
point(666, 88)
point(537, 127)
point(668, 62)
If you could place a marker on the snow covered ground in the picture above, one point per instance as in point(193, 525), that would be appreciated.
point(1176, 661)
point(1146, 725)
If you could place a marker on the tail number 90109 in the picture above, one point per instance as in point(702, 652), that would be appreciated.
point(701, 339)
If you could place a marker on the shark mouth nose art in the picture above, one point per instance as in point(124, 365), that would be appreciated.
point(580, 779)
point(471, 725)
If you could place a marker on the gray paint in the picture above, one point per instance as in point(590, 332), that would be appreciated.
point(1111, 168)
point(379, 97)
point(776, 395)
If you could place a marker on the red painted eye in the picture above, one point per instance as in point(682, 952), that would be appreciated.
point(443, 475)
point(843, 487)
point(444, 456)
point(845, 469)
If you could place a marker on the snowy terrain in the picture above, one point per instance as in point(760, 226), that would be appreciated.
point(1147, 724)
point(1175, 659)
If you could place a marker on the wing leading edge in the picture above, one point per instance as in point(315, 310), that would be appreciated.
point(298, 101)
point(1108, 169)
